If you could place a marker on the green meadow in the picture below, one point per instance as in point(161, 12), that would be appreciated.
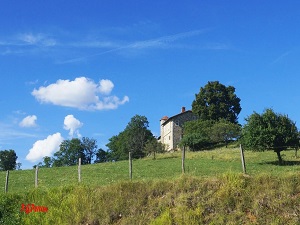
point(165, 166)
point(212, 191)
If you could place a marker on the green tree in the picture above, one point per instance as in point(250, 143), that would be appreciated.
point(102, 156)
point(196, 134)
point(215, 101)
point(8, 160)
point(153, 146)
point(118, 146)
point(133, 138)
point(47, 161)
point(225, 131)
point(89, 146)
point(270, 131)
point(137, 135)
point(201, 134)
point(69, 153)
point(195, 142)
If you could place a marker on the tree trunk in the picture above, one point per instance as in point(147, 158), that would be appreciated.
point(279, 157)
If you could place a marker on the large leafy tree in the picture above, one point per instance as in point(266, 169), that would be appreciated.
point(137, 135)
point(270, 131)
point(47, 162)
point(8, 160)
point(102, 156)
point(224, 131)
point(215, 101)
point(133, 139)
point(118, 146)
point(69, 153)
point(201, 134)
point(153, 146)
point(89, 146)
point(196, 134)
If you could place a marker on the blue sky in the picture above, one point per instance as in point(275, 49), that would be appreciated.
point(85, 68)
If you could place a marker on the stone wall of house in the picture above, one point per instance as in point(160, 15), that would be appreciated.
point(177, 135)
point(167, 137)
point(171, 132)
point(179, 120)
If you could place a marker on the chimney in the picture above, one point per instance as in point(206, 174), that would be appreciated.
point(182, 109)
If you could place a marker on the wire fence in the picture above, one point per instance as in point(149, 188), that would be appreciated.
point(111, 172)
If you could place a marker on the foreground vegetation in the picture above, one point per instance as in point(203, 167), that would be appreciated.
point(226, 199)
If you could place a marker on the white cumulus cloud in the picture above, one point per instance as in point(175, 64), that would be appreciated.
point(28, 121)
point(81, 93)
point(106, 86)
point(72, 125)
point(44, 147)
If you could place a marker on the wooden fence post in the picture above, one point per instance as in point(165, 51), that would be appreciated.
point(6, 181)
point(182, 160)
point(243, 159)
point(36, 176)
point(130, 166)
point(79, 170)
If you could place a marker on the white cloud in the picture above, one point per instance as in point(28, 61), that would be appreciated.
point(44, 147)
point(160, 42)
point(106, 86)
point(37, 39)
point(72, 124)
point(28, 121)
point(82, 93)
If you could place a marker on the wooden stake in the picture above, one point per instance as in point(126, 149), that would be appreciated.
point(36, 176)
point(6, 181)
point(182, 160)
point(243, 159)
point(130, 166)
point(79, 170)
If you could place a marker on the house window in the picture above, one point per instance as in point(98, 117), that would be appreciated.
point(176, 123)
point(169, 137)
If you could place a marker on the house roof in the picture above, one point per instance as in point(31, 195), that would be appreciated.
point(173, 117)
point(164, 118)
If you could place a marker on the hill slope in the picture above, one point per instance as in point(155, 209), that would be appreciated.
point(213, 191)
point(166, 166)
point(227, 199)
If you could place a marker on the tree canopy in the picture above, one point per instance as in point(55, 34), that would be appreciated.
point(153, 146)
point(196, 134)
point(69, 153)
point(270, 131)
point(8, 160)
point(201, 134)
point(224, 131)
point(133, 138)
point(102, 156)
point(215, 101)
point(89, 146)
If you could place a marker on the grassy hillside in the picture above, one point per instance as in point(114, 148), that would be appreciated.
point(166, 166)
point(226, 199)
point(213, 191)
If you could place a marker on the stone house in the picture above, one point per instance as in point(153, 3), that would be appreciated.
point(171, 128)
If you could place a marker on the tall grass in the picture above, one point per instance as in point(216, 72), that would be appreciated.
point(229, 198)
